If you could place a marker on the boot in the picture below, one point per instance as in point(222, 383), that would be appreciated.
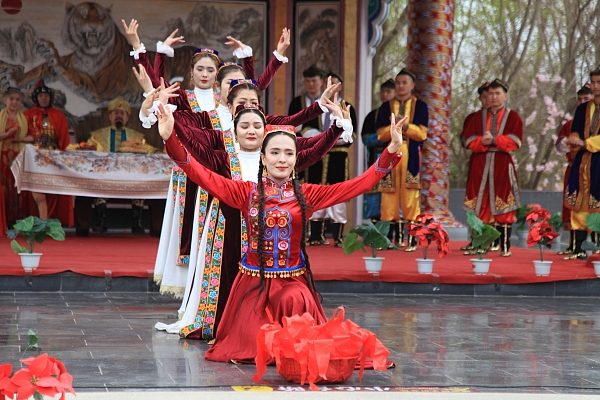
point(578, 253)
point(99, 218)
point(595, 238)
point(391, 232)
point(496, 245)
point(400, 234)
point(323, 240)
point(412, 244)
point(136, 221)
point(316, 229)
point(338, 234)
point(505, 232)
point(569, 250)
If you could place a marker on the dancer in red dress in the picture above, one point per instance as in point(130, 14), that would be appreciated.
point(275, 274)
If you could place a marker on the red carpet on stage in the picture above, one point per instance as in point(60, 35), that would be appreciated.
point(134, 255)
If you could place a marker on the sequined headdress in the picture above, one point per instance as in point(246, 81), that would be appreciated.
point(243, 107)
point(237, 82)
point(229, 64)
point(280, 128)
point(210, 52)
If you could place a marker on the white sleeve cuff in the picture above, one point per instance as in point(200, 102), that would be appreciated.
point(239, 53)
point(136, 53)
point(346, 125)
point(281, 58)
point(148, 94)
point(147, 120)
point(165, 49)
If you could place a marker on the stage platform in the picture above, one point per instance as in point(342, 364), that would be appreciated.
point(124, 262)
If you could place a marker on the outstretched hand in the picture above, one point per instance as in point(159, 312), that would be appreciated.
point(346, 110)
point(284, 41)
point(165, 121)
point(171, 40)
point(330, 91)
point(143, 79)
point(234, 43)
point(396, 133)
point(333, 106)
point(131, 33)
point(166, 93)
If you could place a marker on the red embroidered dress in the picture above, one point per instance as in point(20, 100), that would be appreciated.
point(286, 286)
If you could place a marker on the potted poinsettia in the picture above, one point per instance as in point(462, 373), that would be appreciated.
point(483, 236)
point(34, 230)
point(374, 236)
point(540, 233)
point(427, 231)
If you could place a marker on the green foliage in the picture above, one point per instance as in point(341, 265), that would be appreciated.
point(555, 221)
point(593, 222)
point(483, 235)
point(521, 214)
point(34, 230)
point(373, 235)
point(32, 339)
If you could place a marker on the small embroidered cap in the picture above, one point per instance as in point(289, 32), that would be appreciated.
point(483, 87)
point(280, 128)
point(405, 71)
point(245, 81)
point(243, 107)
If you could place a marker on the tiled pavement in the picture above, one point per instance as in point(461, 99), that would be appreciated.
point(485, 344)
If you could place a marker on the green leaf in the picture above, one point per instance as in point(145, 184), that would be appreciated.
point(17, 248)
point(37, 396)
point(475, 223)
point(383, 227)
point(24, 224)
point(593, 222)
point(40, 237)
point(353, 247)
point(589, 246)
point(33, 338)
point(11, 233)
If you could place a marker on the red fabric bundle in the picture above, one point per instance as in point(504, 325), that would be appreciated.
point(304, 351)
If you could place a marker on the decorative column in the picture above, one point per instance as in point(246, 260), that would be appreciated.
point(430, 49)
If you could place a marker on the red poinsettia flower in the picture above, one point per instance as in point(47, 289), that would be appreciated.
point(427, 231)
point(7, 388)
point(542, 234)
point(536, 212)
point(37, 377)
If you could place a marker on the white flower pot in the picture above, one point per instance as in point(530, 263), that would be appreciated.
point(424, 266)
point(480, 267)
point(542, 268)
point(29, 262)
point(597, 268)
point(373, 264)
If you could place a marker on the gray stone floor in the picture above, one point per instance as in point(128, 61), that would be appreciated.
point(450, 343)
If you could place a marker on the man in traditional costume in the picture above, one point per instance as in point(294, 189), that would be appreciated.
point(492, 186)
point(51, 131)
point(582, 195)
point(113, 139)
point(387, 91)
point(583, 95)
point(402, 187)
point(333, 168)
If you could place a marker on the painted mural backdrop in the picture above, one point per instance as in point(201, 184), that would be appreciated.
point(80, 49)
point(317, 39)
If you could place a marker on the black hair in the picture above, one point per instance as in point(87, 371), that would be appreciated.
point(595, 72)
point(584, 91)
point(312, 72)
point(236, 120)
point(334, 75)
point(224, 71)
point(261, 224)
point(233, 92)
point(388, 84)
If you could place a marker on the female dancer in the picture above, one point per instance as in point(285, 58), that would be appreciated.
point(14, 134)
point(275, 272)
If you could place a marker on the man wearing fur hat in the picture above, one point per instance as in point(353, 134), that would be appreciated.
point(51, 131)
point(113, 139)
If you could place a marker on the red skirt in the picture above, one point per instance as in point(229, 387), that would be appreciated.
point(245, 313)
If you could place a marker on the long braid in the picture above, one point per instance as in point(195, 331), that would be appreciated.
point(261, 224)
point(303, 207)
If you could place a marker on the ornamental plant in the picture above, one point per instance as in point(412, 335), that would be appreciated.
point(427, 230)
point(555, 221)
point(592, 221)
point(373, 235)
point(34, 230)
point(41, 376)
point(483, 235)
point(540, 233)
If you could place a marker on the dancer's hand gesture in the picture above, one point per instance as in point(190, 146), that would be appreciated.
point(329, 91)
point(165, 122)
point(131, 33)
point(333, 106)
point(284, 41)
point(171, 41)
point(143, 79)
point(234, 43)
point(396, 133)
point(166, 93)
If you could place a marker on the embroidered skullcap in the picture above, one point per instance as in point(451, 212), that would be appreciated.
point(213, 53)
point(280, 128)
point(229, 64)
point(243, 107)
point(119, 103)
point(245, 81)
point(405, 71)
point(312, 72)
point(483, 87)
point(499, 83)
point(389, 84)
point(334, 75)
point(41, 87)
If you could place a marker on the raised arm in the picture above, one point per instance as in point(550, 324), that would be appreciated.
point(311, 150)
point(233, 193)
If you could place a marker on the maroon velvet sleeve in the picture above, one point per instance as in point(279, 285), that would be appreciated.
point(201, 143)
point(248, 64)
point(264, 80)
point(159, 67)
point(145, 62)
point(311, 150)
point(308, 114)
point(181, 101)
